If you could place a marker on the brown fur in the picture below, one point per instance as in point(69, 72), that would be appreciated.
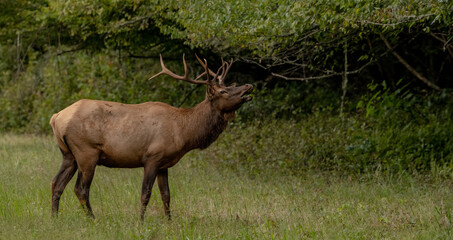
point(152, 135)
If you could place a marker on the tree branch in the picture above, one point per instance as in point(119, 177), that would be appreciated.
point(130, 22)
point(78, 48)
point(406, 19)
point(409, 67)
point(330, 74)
point(327, 74)
point(445, 42)
point(344, 84)
point(188, 95)
point(305, 78)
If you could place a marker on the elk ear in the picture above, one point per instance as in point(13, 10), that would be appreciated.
point(210, 91)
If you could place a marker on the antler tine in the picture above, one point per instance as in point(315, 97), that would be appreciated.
point(206, 69)
point(199, 60)
point(205, 65)
point(186, 77)
point(186, 72)
point(222, 75)
point(163, 68)
point(225, 68)
point(200, 76)
point(217, 75)
point(228, 66)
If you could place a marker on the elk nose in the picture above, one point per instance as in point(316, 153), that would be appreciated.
point(249, 85)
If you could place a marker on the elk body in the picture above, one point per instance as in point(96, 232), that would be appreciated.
point(152, 135)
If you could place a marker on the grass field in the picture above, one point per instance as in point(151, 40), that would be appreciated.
point(212, 202)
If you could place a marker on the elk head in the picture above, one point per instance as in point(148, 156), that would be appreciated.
point(225, 99)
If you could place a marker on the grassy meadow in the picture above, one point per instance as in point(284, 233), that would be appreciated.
point(210, 201)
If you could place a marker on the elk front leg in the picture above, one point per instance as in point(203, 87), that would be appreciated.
point(147, 186)
point(162, 181)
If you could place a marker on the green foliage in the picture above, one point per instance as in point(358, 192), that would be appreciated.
point(47, 87)
point(100, 24)
point(295, 38)
point(390, 131)
point(290, 100)
point(274, 25)
point(307, 38)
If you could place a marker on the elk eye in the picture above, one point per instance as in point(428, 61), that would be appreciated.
point(223, 92)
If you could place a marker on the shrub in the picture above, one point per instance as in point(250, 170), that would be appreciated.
point(391, 131)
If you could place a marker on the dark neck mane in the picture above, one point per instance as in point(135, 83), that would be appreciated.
point(203, 125)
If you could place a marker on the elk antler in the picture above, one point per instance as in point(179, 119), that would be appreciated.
point(224, 68)
point(186, 73)
point(225, 72)
point(208, 72)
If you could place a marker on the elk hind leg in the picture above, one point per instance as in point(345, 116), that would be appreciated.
point(59, 182)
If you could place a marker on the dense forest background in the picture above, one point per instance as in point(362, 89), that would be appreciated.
point(353, 85)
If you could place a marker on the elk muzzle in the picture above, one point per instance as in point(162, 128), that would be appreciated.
point(248, 89)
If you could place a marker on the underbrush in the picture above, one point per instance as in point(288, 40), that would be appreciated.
point(28, 100)
point(386, 131)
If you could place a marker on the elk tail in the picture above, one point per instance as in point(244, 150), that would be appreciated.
point(52, 121)
point(62, 142)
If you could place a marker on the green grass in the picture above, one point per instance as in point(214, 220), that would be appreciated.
point(212, 202)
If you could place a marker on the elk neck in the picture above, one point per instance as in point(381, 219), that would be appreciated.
point(202, 125)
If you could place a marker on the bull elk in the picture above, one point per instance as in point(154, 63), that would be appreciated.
point(152, 135)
